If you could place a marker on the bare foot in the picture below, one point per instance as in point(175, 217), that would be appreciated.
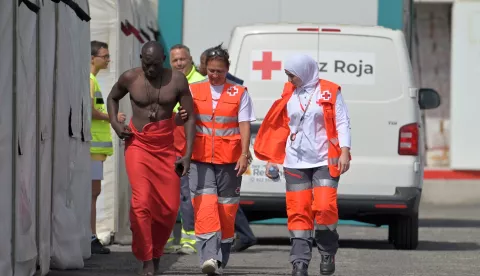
point(148, 268)
point(156, 264)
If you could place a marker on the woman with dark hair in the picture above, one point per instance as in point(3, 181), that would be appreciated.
point(202, 68)
point(223, 112)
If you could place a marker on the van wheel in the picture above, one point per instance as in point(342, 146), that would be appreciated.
point(403, 232)
point(391, 233)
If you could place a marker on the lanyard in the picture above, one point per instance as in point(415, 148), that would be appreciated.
point(294, 135)
point(306, 108)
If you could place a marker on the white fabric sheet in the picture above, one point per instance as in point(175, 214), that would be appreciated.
point(79, 185)
point(25, 184)
point(104, 27)
point(46, 82)
point(67, 228)
point(6, 147)
point(127, 59)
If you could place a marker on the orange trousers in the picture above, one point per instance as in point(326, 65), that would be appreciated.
point(305, 206)
point(149, 160)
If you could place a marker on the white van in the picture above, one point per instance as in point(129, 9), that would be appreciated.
point(372, 65)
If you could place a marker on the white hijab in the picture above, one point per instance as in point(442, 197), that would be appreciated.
point(304, 67)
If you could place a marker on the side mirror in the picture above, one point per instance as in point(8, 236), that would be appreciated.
point(428, 98)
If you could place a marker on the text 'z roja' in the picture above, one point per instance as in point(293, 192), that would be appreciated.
point(340, 66)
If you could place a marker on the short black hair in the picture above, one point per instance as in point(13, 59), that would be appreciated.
point(95, 46)
point(180, 46)
point(217, 53)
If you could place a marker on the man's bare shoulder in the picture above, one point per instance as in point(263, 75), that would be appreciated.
point(129, 76)
point(179, 79)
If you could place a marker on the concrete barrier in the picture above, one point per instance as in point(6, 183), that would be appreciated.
point(451, 191)
point(448, 187)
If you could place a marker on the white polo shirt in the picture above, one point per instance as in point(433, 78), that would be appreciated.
point(310, 147)
point(245, 112)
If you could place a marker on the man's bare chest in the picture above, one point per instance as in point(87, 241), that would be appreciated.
point(144, 94)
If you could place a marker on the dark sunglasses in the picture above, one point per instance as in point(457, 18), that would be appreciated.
point(216, 53)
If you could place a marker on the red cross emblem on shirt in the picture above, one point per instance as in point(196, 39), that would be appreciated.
point(326, 95)
point(232, 91)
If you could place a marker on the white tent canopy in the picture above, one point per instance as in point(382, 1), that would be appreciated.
point(45, 120)
point(43, 97)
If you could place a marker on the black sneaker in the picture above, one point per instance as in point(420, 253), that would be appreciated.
point(300, 269)
point(98, 248)
point(327, 266)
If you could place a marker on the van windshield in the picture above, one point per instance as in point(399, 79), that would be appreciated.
point(366, 67)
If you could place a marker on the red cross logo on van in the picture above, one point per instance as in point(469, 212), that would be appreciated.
point(326, 95)
point(267, 65)
point(232, 91)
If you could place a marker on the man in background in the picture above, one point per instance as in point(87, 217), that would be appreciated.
point(101, 144)
point(181, 60)
point(244, 234)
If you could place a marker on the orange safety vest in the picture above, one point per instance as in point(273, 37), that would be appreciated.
point(217, 138)
point(272, 136)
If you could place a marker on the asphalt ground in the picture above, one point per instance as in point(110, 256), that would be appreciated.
point(449, 245)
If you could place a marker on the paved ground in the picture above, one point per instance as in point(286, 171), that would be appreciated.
point(449, 245)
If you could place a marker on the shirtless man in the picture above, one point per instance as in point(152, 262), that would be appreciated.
point(152, 167)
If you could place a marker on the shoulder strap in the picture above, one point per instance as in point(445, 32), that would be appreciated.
point(328, 92)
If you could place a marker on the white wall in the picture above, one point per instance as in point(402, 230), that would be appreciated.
point(431, 49)
point(210, 22)
point(465, 132)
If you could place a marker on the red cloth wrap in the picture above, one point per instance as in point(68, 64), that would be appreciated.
point(149, 160)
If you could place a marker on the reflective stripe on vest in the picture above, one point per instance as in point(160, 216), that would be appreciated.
point(333, 160)
point(205, 119)
point(101, 144)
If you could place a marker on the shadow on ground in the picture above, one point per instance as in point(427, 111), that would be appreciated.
point(422, 245)
point(449, 223)
point(115, 263)
point(379, 245)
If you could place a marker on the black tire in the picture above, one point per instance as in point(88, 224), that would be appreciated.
point(391, 233)
point(403, 232)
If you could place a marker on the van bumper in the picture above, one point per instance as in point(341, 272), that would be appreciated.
point(405, 201)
